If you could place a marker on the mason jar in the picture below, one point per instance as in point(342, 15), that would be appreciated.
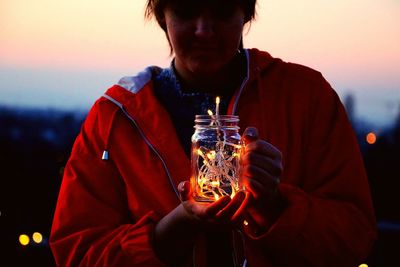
point(215, 155)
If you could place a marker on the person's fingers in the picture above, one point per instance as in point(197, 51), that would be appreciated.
point(239, 215)
point(264, 148)
point(228, 211)
point(184, 190)
point(273, 167)
point(250, 134)
point(207, 210)
point(257, 190)
point(251, 172)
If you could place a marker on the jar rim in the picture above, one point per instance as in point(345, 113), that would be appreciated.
point(209, 118)
point(227, 122)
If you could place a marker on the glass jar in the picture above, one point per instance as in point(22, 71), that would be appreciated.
point(215, 155)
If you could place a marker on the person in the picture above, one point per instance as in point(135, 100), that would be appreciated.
point(125, 199)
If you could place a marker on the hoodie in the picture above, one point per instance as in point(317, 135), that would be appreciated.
point(127, 161)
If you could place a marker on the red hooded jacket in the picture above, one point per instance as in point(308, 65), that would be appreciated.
point(125, 165)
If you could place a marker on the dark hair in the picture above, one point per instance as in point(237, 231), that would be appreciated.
point(156, 8)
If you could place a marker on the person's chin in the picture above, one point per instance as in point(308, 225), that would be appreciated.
point(205, 66)
point(206, 62)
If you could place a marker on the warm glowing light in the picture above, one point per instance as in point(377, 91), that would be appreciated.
point(24, 240)
point(215, 183)
point(217, 172)
point(238, 146)
point(363, 265)
point(37, 237)
point(200, 153)
point(201, 182)
point(371, 138)
point(210, 112)
point(211, 155)
point(216, 168)
point(217, 101)
point(245, 222)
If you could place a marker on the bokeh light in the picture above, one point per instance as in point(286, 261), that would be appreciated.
point(24, 240)
point(37, 237)
point(371, 138)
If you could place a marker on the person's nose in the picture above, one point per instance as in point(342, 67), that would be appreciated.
point(204, 26)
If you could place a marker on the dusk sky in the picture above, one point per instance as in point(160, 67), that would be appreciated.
point(66, 53)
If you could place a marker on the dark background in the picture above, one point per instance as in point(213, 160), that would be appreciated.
point(35, 145)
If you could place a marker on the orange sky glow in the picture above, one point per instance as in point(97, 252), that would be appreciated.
point(98, 34)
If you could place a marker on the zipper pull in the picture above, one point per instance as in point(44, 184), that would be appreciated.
point(105, 155)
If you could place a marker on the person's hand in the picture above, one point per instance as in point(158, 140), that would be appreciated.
point(175, 233)
point(219, 213)
point(261, 165)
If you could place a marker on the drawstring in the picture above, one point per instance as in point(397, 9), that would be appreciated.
point(105, 155)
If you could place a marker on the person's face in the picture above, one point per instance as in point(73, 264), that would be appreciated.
point(204, 38)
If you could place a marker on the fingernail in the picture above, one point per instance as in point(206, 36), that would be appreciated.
point(181, 186)
point(251, 133)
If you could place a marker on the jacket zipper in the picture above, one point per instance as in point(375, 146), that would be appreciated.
point(147, 142)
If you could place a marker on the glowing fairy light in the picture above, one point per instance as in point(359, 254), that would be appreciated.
point(200, 153)
point(217, 101)
point(218, 170)
point(214, 183)
point(211, 155)
point(216, 196)
point(217, 173)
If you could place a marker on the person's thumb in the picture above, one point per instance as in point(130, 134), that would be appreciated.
point(250, 135)
point(184, 190)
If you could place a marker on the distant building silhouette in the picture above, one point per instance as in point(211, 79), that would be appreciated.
point(397, 120)
point(349, 104)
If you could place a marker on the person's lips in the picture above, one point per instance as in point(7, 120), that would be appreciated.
point(205, 49)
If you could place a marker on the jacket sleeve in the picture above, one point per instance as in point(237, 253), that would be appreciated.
point(92, 225)
point(329, 218)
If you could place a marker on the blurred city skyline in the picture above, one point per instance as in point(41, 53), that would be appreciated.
point(79, 90)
